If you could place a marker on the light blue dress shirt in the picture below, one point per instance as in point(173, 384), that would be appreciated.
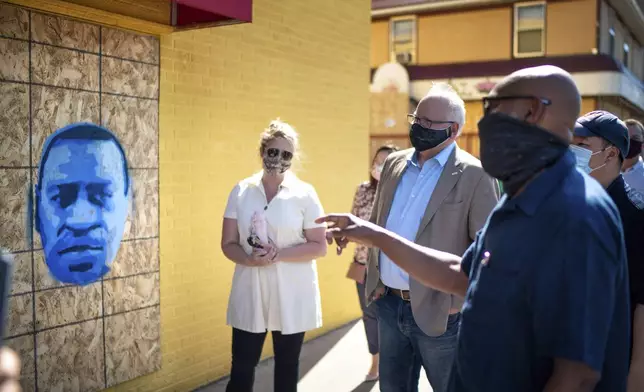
point(412, 195)
point(634, 176)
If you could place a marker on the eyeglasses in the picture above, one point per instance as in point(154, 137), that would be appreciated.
point(429, 124)
point(490, 103)
point(275, 152)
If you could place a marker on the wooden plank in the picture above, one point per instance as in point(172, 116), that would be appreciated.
point(94, 15)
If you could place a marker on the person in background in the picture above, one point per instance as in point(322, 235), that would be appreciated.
point(269, 232)
point(601, 143)
point(633, 166)
point(9, 371)
point(436, 195)
point(546, 280)
point(362, 206)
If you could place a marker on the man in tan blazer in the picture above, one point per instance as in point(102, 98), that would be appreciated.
point(438, 196)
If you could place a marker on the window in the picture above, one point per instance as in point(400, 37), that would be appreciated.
point(529, 29)
point(403, 40)
point(625, 54)
point(611, 42)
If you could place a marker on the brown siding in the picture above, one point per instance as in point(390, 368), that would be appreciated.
point(571, 27)
point(150, 10)
point(379, 43)
point(588, 105)
point(469, 139)
point(465, 36)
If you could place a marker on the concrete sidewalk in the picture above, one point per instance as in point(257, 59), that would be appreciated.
point(335, 362)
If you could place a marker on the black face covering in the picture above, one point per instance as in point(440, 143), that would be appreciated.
point(513, 151)
point(424, 138)
point(635, 148)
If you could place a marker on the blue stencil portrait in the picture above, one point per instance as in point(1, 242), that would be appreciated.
point(82, 200)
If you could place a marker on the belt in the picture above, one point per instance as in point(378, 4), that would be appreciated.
point(402, 294)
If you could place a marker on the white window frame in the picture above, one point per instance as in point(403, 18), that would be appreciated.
point(627, 49)
point(515, 33)
point(414, 37)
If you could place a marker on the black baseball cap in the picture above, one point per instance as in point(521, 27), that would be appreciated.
point(605, 125)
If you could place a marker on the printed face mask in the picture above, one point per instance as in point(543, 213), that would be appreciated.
point(583, 156)
point(513, 151)
point(277, 161)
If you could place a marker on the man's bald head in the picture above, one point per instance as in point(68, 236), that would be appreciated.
point(545, 96)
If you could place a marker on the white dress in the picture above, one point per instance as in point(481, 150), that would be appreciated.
point(284, 296)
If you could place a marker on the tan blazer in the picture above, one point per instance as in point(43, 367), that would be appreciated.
point(459, 207)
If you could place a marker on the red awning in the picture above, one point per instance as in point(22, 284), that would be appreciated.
point(193, 13)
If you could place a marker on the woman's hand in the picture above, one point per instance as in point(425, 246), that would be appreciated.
point(264, 256)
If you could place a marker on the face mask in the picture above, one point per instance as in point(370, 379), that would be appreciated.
point(583, 156)
point(424, 139)
point(634, 149)
point(376, 170)
point(277, 161)
point(513, 151)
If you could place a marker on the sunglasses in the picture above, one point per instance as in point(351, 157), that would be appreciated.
point(490, 103)
point(275, 152)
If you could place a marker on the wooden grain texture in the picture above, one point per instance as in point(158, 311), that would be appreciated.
point(131, 293)
point(86, 13)
point(14, 122)
point(14, 184)
point(157, 11)
point(133, 344)
point(131, 46)
point(20, 318)
point(67, 305)
point(136, 257)
point(143, 220)
point(60, 31)
point(129, 78)
point(135, 123)
point(53, 108)
point(14, 21)
point(21, 281)
point(71, 358)
point(15, 60)
point(63, 67)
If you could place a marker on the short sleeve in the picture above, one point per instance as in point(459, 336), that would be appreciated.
point(312, 210)
point(574, 294)
point(231, 205)
point(468, 256)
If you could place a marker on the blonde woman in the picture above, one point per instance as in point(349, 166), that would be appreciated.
point(269, 231)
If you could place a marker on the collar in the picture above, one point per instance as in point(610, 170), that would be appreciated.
point(288, 181)
point(441, 157)
point(639, 165)
point(539, 188)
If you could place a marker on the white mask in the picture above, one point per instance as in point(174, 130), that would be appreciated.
point(376, 170)
point(583, 156)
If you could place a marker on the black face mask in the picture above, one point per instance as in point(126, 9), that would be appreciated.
point(513, 151)
point(634, 149)
point(424, 138)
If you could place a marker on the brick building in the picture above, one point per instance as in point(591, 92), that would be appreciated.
point(472, 44)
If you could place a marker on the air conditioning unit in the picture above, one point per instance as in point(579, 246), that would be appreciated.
point(403, 58)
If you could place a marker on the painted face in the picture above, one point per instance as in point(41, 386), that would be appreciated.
point(278, 156)
point(82, 208)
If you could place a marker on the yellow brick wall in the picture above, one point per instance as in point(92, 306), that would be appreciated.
point(304, 61)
